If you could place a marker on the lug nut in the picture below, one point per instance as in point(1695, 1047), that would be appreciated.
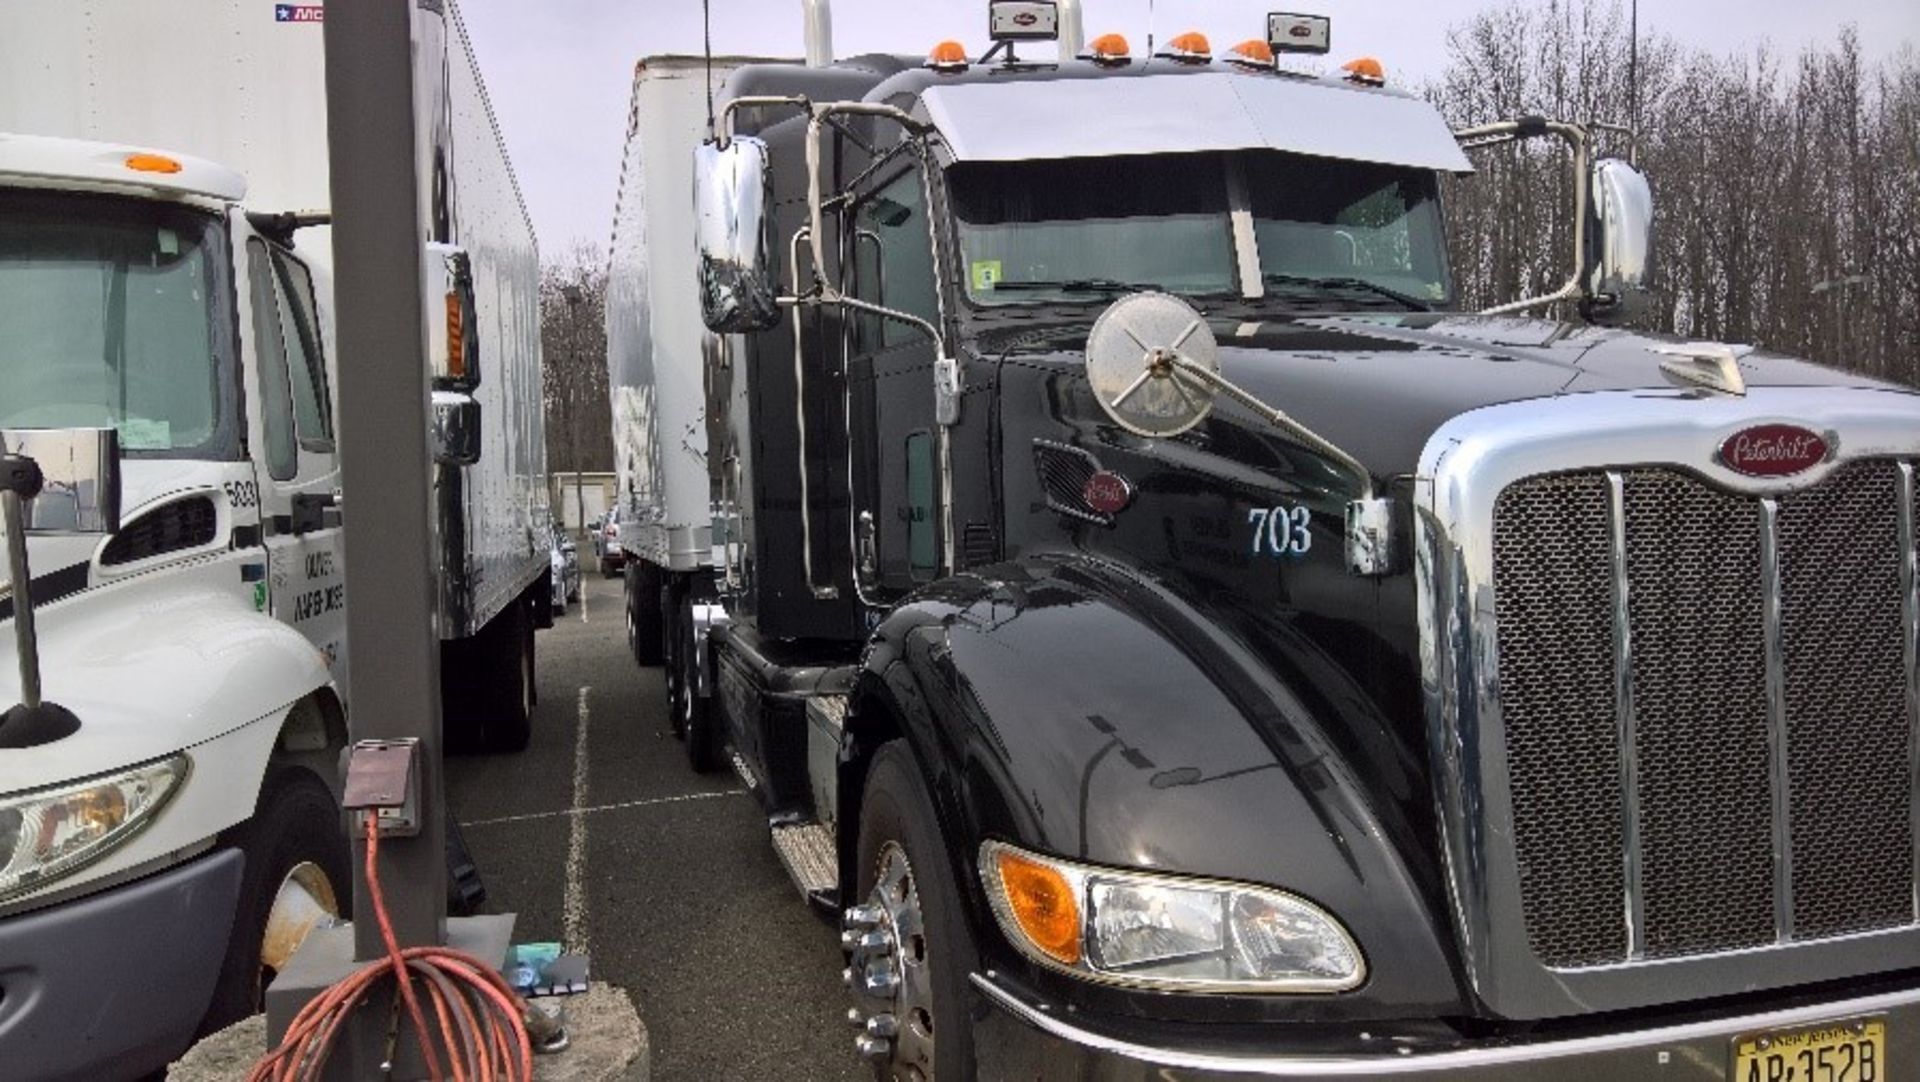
point(882, 983)
point(846, 976)
point(850, 939)
point(873, 1048)
point(882, 1026)
point(854, 1017)
point(864, 917)
point(875, 943)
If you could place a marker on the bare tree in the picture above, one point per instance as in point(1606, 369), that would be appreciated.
point(573, 305)
point(1787, 193)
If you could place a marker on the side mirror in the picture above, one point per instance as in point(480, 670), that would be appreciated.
point(732, 195)
point(453, 341)
point(455, 438)
point(79, 479)
point(1621, 255)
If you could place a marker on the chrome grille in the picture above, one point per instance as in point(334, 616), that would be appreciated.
point(1555, 604)
point(1846, 703)
point(1705, 711)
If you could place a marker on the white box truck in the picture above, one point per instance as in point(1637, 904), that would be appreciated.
point(165, 283)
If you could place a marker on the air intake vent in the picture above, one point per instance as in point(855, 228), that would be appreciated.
point(184, 524)
point(1064, 472)
point(977, 544)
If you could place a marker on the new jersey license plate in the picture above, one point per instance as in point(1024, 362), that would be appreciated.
point(1854, 1051)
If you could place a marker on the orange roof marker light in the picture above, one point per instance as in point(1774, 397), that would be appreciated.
point(1109, 49)
point(949, 56)
point(1251, 53)
point(1191, 47)
point(152, 163)
point(1366, 71)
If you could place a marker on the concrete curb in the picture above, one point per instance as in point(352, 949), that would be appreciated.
point(607, 1043)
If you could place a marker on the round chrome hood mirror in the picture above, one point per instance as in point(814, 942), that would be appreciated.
point(1139, 358)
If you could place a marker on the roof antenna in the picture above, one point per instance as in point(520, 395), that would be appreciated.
point(1150, 31)
point(1633, 86)
point(706, 30)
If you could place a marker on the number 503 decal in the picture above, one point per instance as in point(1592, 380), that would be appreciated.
point(1281, 531)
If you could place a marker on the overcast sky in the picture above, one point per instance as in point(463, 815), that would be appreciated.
point(559, 71)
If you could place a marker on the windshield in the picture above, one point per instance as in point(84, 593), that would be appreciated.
point(111, 314)
point(1326, 233)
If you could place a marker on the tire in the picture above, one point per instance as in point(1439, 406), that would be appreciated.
point(897, 824)
point(295, 834)
point(646, 630)
point(487, 689)
point(694, 719)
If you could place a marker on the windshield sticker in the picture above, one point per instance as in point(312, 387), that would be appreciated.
point(985, 273)
point(1281, 530)
point(141, 434)
point(299, 13)
point(167, 241)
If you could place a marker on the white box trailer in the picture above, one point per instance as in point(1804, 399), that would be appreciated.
point(656, 345)
point(165, 275)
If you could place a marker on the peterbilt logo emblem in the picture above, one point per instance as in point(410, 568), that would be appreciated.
point(1773, 450)
point(1106, 492)
point(1026, 18)
point(1301, 31)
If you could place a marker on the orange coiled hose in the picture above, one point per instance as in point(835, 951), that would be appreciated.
point(480, 1021)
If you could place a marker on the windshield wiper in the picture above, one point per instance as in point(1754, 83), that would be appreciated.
point(1349, 284)
point(1076, 285)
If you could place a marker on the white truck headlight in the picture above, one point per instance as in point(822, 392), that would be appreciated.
point(52, 832)
point(1166, 931)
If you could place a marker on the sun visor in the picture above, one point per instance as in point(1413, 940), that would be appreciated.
point(1171, 114)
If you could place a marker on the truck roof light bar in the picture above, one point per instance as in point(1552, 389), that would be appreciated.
point(1365, 70)
point(949, 57)
point(1252, 54)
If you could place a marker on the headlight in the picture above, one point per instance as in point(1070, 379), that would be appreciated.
point(1166, 931)
point(47, 834)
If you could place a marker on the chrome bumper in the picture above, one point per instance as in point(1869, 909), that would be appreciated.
point(1017, 1038)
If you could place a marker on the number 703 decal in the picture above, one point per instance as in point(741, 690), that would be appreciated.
point(1281, 530)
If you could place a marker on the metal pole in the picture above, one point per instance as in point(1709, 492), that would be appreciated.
point(378, 232)
point(26, 642)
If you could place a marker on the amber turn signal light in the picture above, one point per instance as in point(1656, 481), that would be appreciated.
point(1042, 903)
point(152, 163)
point(456, 337)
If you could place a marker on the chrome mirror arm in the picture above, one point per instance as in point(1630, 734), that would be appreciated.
point(1580, 140)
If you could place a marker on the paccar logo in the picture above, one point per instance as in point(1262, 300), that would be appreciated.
point(299, 13)
point(1773, 450)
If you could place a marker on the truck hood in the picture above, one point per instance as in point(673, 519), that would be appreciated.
point(153, 656)
point(1379, 386)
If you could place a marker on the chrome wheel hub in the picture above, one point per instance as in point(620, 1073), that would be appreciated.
point(889, 975)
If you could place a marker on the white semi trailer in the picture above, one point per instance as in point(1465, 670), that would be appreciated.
point(165, 293)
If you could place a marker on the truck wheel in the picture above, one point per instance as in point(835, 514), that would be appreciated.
point(694, 719)
point(645, 625)
point(487, 686)
point(915, 974)
point(296, 877)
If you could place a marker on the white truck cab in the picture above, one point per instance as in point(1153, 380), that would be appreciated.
point(161, 861)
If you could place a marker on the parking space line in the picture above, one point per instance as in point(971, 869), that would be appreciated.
point(623, 805)
point(574, 908)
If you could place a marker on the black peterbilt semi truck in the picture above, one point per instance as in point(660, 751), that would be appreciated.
point(1176, 644)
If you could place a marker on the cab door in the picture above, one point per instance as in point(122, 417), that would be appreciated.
point(891, 427)
point(296, 458)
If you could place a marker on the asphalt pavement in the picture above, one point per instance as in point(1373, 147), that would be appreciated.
point(601, 837)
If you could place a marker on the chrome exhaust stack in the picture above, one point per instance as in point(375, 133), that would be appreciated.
point(819, 28)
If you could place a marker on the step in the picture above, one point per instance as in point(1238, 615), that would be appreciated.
point(806, 848)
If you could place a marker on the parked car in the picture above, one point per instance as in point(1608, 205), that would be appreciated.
point(565, 557)
point(606, 545)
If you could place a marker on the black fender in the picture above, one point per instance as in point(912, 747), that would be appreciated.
point(1079, 708)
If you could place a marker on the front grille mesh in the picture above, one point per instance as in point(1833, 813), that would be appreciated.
point(1700, 821)
point(1846, 703)
point(1700, 714)
point(1555, 607)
